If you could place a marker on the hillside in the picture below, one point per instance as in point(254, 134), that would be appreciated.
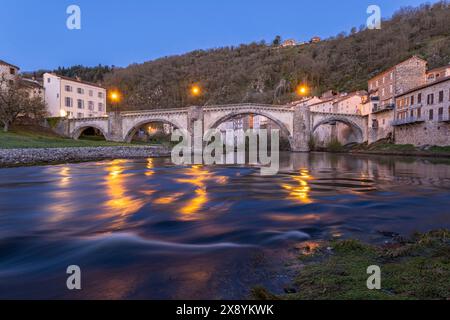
point(263, 73)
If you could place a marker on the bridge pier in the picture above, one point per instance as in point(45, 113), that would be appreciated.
point(302, 129)
point(115, 130)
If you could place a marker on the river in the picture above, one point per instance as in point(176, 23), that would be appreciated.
point(146, 229)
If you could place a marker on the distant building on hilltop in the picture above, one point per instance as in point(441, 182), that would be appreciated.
point(288, 43)
point(315, 40)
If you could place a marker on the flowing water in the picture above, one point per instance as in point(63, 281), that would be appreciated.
point(146, 229)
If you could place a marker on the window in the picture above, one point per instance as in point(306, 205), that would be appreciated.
point(419, 113)
point(100, 94)
point(68, 102)
point(412, 113)
point(419, 98)
point(91, 93)
point(91, 105)
point(100, 107)
point(68, 88)
point(12, 71)
point(80, 115)
point(412, 100)
point(441, 114)
point(441, 96)
point(80, 104)
point(80, 91)
point(430, 99)
point(49, 80)
point(431, 114)
point(11, 82)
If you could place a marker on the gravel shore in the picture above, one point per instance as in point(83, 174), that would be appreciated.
point(27, 157)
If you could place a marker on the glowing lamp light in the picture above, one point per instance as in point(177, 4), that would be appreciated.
point(196, 91)
point(63, 113)
point(302, 90)
point(115, 96)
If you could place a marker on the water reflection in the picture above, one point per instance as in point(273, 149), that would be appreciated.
point(120, 205)
point(144, 228)
point(300, 191)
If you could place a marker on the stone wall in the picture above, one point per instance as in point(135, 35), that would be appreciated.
point(428, 133)
point(410, 74)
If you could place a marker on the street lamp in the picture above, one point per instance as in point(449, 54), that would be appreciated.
point(196, 90)
point(302, 90)
point(115, 97)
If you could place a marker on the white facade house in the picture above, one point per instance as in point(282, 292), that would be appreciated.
point(73, 98)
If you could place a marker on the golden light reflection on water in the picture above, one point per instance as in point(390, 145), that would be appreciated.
point(301, 190)
point(150, 166)
point(198, 176)
point(119, 205)
point(61, 206)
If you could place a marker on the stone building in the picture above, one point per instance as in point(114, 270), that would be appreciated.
point(8, 72)
point(438, 73)
point(34, 88)
point(288, 43)
point(402, 77)
point(423, 115)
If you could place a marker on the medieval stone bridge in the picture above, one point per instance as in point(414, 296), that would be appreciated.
point(296, 122)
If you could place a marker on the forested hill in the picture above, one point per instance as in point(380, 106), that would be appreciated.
point(261, 72)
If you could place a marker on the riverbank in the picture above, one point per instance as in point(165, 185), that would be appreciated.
point(417, 267)
point(43, 156)
point(389, 149)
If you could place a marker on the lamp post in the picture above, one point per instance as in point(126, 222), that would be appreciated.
point(115, 97)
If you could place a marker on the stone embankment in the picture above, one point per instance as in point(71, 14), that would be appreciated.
point(27, 157)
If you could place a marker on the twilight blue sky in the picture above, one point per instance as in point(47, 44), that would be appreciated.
point(33, 33)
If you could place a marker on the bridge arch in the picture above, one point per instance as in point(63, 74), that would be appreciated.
point(130, 132)
point(341, 119)
point(79, 131)
point(283, 128)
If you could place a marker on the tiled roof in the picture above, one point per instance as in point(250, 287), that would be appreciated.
point(76, 80)
point(8, 64)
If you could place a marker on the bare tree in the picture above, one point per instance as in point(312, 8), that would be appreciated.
point(15, 102)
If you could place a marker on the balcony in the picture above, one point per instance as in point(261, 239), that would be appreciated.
point(406, 121)
point(379, 109)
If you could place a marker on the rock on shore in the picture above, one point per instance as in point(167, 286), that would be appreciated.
point(24, 157)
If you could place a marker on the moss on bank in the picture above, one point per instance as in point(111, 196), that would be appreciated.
point(415, 268)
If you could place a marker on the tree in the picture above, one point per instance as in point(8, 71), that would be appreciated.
point(277, 41)
point(15, 102)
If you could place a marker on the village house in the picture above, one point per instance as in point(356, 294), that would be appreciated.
point(8, 72)
point(288, 43)
point(423, 114)
point(73, 98)
point(438, 73)
point(402, 77)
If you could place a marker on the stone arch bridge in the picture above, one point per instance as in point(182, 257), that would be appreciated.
point(296, 122)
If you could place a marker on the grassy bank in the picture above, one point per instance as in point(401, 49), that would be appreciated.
point(38, 137)
point(415, 268)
